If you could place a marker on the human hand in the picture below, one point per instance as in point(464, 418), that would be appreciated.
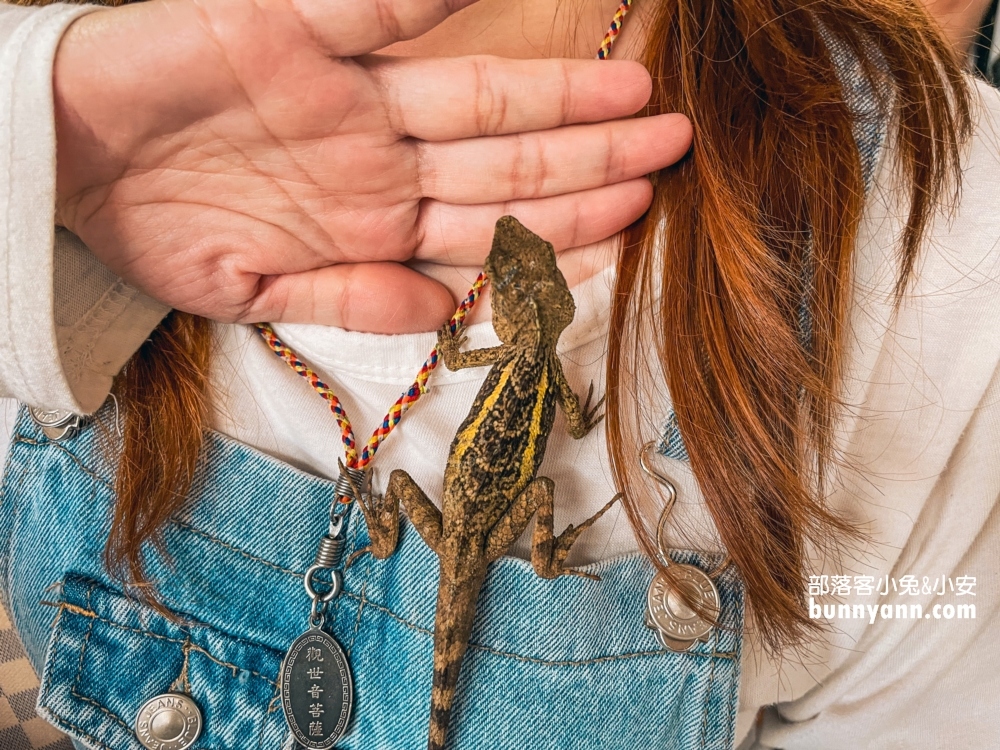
point(251, 161)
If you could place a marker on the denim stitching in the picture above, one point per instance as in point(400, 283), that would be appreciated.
point(105, 710)
point(83, 648)
point(199, 532)
point(79, 671)
point(597, 660)
point(361, 598)
point(271, 707)
point(368, 602)
point(543, 662)
point(55, 641)
point(708, 697)
point(236, 669)
point(357, 620)
point(150, 634)
point(732, 701)
point(80, 731)
point(362, 603)
point(52, 444)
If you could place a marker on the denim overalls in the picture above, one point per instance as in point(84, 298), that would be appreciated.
point(567, 663)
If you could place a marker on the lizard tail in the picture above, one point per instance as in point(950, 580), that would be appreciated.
point(452, 629)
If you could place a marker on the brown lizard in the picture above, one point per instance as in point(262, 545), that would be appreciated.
point(491, 490)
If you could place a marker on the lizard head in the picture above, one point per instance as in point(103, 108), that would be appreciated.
point(530, 297)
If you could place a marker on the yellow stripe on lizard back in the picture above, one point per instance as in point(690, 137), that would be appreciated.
point(534, 430)
point(468, 435)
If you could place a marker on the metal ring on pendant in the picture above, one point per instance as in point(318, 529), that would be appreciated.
point(317, 614)
point(336, 583)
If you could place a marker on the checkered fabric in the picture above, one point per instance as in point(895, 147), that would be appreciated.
point(20, 727)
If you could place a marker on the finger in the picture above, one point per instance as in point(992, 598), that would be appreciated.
point(347, 28)
point(446, 99)
point(550, 162)
point(462, 235)
point(369, 297)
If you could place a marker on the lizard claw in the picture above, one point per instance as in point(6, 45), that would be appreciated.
point(581, 574)
point(563, 542)
point(353, 557)
point(449, 344)
point(549, 562)
point(589, 419)
point(381, 518)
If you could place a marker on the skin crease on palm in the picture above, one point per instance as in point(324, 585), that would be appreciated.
point(253, 162)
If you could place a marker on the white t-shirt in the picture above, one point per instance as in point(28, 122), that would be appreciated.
point(920, 442)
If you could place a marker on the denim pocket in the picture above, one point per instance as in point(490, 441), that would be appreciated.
point(552, 665)
point(109, 654)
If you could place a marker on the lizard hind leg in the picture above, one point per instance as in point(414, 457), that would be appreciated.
point(549, 552)
point(381, 514)
point(420, 510)
point(515, 520)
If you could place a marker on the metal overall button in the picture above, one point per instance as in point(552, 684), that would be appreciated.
point(170, 721)
point(56, 423)
point(676, 624)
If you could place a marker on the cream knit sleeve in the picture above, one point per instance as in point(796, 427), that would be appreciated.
point(67, 323)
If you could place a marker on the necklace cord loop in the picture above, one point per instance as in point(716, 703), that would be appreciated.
point(355, 460)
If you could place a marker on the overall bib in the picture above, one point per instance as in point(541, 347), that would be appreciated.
point(565, 663)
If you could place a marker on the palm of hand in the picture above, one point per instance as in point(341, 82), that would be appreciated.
point(269, 173)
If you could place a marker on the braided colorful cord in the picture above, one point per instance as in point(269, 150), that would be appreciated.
point(404, 402)
point(616, 26)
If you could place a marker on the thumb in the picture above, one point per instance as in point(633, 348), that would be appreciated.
point(368, 297)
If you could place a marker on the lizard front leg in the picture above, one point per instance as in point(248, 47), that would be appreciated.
point(382, 516)
point(449, 346)
point(579, 420)
point(423, 514)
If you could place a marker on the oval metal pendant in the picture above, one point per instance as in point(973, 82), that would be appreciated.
point(671, 615)
point(316, 690)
